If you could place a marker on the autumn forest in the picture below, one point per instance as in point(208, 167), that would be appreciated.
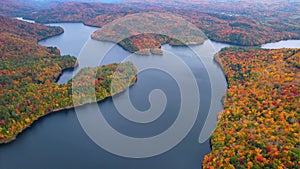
point(259, 126)
point(29, 92)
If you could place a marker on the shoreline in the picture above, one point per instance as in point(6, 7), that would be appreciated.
point(216, 60)
point(8, 141)
point(60, 33)
point(66, 69)
point(214, 40)
point(151, 51)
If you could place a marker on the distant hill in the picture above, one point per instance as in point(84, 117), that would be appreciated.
point(244, 24)
point(14, 8)
point(237, 22)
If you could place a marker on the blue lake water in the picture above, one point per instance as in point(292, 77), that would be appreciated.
point(58, 140)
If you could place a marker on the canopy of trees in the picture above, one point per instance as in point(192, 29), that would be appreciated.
point(260, 124)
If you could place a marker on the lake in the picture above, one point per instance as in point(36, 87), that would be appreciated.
point(58, 140)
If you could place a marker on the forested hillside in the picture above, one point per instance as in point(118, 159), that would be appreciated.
point(28, 75)
point(260, 124)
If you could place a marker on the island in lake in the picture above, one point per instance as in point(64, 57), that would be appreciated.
point(145, 33)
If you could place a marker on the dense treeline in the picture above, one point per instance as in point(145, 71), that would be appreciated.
point(260, 124)
point(28, 74)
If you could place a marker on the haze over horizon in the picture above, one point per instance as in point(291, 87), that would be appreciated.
point(155, 1)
